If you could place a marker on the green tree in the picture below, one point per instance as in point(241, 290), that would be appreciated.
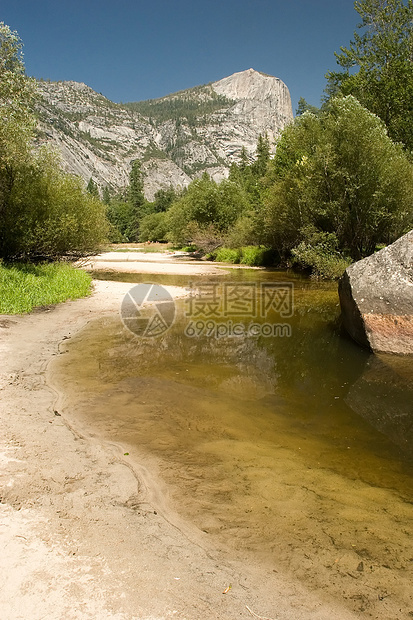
point(341, 173)
point(303, 106)
point(122, 216)
point(153, 227)
point(378, 65)
point(262, 156)
point(206, 203)
point(244, 159)
point(43, 211)
point(135, 192)
point(92, 188)
point(164, 199)
point(106, 195)
point(17, 121)
point(248, 176)
point(51, 214)
point(136, 200)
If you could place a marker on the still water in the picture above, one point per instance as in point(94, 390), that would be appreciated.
point(294, 451)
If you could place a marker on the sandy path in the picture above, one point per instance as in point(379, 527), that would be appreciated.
point(86, 534)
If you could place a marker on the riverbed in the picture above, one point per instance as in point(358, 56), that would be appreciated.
point(289, 450)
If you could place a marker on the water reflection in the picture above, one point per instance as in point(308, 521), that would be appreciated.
point(383, 395)
point(292, 450)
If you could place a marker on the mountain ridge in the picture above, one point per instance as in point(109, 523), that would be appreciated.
point(177, 137)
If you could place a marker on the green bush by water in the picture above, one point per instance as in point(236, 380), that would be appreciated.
point(24, 286)
point(256, 256)
point(228, 255)
point(251, 255)
point(318, 253)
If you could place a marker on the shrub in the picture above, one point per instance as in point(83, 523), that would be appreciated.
point(49, 213)
point(318, 253)
point(256, 256)
point(251, 255)
point(227, 255)
point(188, 248)
point(153, 227)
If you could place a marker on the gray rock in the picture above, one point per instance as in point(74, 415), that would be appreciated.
point(376, 297)
point(98, 138)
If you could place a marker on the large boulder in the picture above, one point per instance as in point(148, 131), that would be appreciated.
point(376, 297)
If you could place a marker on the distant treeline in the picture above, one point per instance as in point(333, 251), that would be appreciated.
point(193, 105)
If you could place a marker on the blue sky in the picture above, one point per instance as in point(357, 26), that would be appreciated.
point(133, 50)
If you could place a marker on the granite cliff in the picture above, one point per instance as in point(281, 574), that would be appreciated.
point(177, 137)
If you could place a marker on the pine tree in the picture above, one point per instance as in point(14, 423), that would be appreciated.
point(135, 192)
point(136, 199)
point(383, 55)
point(262, 157)
point(92, 188)
point(106, 195)
point(303, 106)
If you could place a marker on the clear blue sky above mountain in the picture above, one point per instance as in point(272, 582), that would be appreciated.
point(131, 50)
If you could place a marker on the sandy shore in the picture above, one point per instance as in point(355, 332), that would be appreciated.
point(173, 263)
point(84, 532)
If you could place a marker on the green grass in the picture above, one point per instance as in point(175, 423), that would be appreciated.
point(24, 286)
point(251, 255)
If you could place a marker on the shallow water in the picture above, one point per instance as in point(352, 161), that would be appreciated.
point(293, 451)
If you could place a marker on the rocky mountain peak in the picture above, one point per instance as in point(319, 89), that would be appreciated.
point(177, 137)
point(250, 84)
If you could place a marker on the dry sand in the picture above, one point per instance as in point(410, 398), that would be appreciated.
point(85, 532)
point(174, 263)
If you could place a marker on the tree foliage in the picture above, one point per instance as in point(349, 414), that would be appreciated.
point(377, 67)
point(126, 210)
point(153, 227)
point(164, 199)
point(191, 106)
point(92, 188)
point(135, 189)
point(50, 213)
point(16, 119)
point(303, 106)
point(262, 157)
point(43, 211)
point(318, 252)
point(206, 203)
point(340, 172)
